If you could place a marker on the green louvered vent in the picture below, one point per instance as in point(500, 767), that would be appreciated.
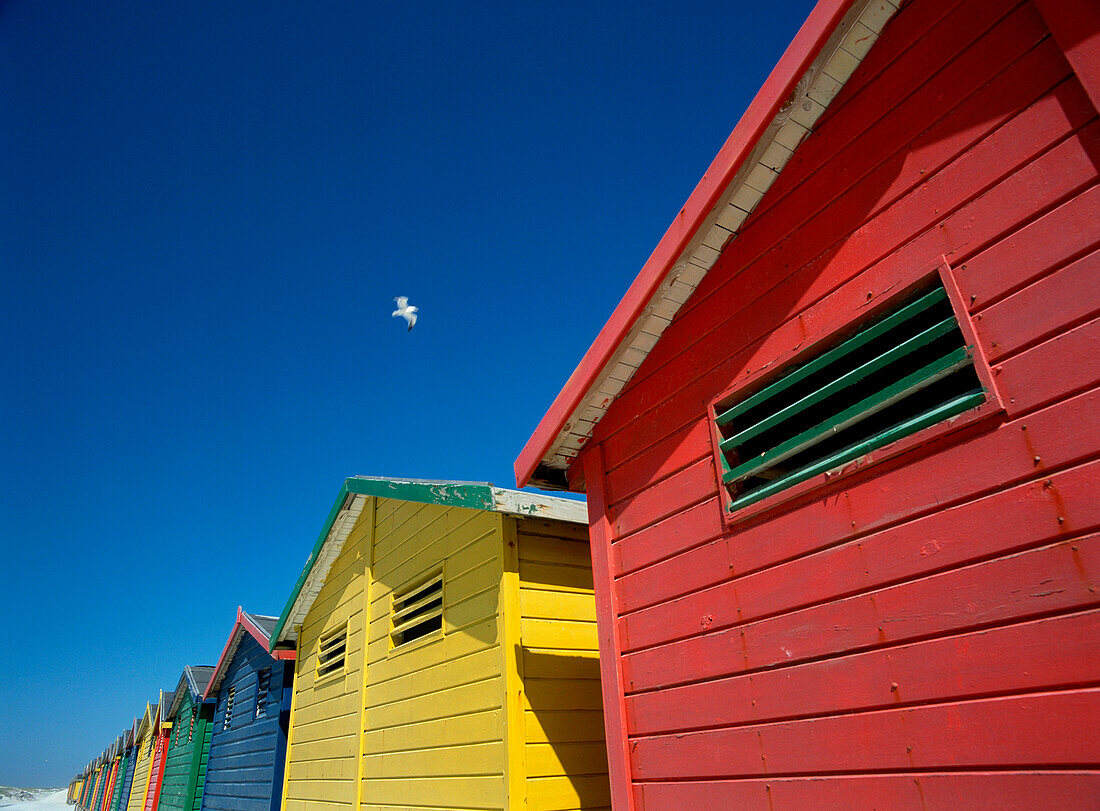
point(907, 370)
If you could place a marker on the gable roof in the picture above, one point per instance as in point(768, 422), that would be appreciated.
point(148, 720)
point(193, 682)
point(823, 55)
point(351, 500)
point(259, 628)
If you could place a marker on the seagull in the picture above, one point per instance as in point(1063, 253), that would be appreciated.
point(405, 311)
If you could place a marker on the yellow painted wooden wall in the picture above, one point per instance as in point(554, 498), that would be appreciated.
point(323, 740)
point(564, 751)
point(142, 767)
point(433, 721)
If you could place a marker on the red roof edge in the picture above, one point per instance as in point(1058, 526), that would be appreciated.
point(241, 624)
point(798, 57)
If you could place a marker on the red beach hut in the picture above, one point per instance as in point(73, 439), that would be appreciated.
point(841, 437)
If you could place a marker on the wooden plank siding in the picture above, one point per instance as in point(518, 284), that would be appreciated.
point(187, 752)
point(564, 754)
point(156, 764)
point(323, 741)
point(143, 748)
point(243, 769)
point(921, 631)
point(126, 772)
point(432, 722)
point(109, 786)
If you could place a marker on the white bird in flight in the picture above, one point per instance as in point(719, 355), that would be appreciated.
point(405, 311)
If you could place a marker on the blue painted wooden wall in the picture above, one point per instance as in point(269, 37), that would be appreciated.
point(244, 771)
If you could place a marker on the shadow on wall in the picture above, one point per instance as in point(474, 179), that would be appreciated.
point(897, 191)
point(564, 701)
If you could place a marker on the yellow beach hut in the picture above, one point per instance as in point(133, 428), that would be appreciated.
point(143, 754)
point(447, 653)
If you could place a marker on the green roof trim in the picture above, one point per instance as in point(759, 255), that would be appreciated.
point(472, 495)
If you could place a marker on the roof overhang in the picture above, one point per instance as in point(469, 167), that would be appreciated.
point(823, 55)
point(349, 505)
point(244, 624)
point(194, 681)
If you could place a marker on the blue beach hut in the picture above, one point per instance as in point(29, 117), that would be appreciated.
point(121, 794)
point(251, 688)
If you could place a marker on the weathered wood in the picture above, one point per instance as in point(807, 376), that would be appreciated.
point(1048, 579)
point(1044, 729)
point(917, 790)
point(1059, 651)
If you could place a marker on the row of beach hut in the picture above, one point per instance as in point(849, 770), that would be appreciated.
point(173, 757)
point(840, 443)
point(438, 650)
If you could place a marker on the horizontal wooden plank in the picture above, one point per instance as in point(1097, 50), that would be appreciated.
point(670, 536)
point(561, 694)
point(1069, 790)
point(540, 604)
point(310, 795)
point(338, 767)
point(458, 759)
point(474, 791)
point(551, 577)
point(447, 702)
point(558, 634)
point(1045, 729)
point(478, 666)
point(1025, 515)
point(1042, 309)
point(541, 549)
point(470, 611)
point(563, 726)
point(670, 455)
point(540, 663)
point(564, 793)
point(332, 711)
point(337, 748)
point(1065, 364)
point(1048, 579)
point(1033, 656)
point(1032, 251)
point(471, 728)
point(675, 493)
point(551, 529)
point(562, 759)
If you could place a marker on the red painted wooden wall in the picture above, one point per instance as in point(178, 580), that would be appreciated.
point(156, 773)
point(921, 632)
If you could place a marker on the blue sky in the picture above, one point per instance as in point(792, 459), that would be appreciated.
point(205, 212)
